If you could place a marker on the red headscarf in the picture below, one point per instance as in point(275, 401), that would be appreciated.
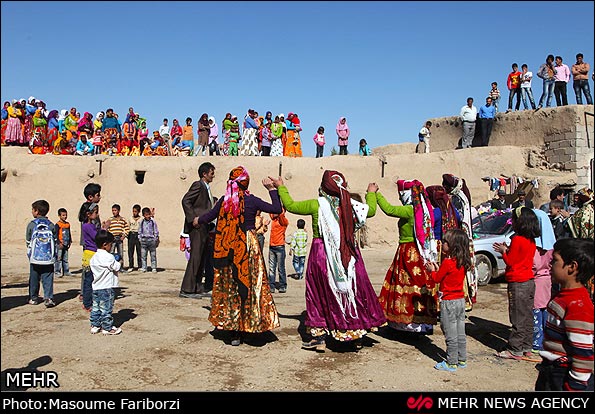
point(335, 185)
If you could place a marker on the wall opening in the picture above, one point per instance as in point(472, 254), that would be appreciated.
point(140, 176)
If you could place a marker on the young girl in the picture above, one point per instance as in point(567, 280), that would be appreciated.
point(319, 141)
point(363, 148)
point(88, 215)
point(521, 283)
point(451, 277)
point(185, 244)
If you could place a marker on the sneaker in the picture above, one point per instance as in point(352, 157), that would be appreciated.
point(130, 270)
point(236, 342)
point(113, 331)
point(153, 270)
point(443, 366)
point(272, 290)
point(49, 303)
point(144, 270)
point(95, 329)
point(282, 290)
point(462, 364)
point(68, 274)
point(56, 274)
point(33, 302)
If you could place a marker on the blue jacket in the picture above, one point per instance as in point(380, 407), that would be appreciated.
point(111, 122)
point(487, 111)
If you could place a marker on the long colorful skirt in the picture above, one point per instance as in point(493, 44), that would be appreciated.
point(249, 142)
point(27, 128)
point(3, 131)
point(52, 137)
point(14, 132)
point(324, 314)
point(257, 313)
point(293, 145)
point(409, 296)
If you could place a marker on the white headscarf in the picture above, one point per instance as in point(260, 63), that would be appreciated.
point(63, 114)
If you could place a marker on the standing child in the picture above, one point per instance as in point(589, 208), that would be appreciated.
point(279, 225)
point(41, 240)
point(424, 136)
point(89, 214)
point(148, 233)
point(451, 277)
point(518, 258)
point(363, 148)
point(298, 247)
point(543, 280)
point(558, 221)
point(64, 241)
point(319, 141)
point(495, 95)
point(567, 356)
point(104, 267)
point(133, 241)
point(119, 228)
point(514, 87)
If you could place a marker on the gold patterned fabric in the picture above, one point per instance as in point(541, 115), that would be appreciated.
point(409, 295)
point(257, 313)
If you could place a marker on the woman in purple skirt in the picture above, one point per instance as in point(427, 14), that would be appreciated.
point(340, 300)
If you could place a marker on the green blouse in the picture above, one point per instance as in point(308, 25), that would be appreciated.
point(404, 213)
point(310, 208)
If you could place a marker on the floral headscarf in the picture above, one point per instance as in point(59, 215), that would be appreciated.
point(231, 248)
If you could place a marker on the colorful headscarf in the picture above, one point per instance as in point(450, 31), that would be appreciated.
point(423, 215)
point(231, 247)
point(340, 126)
point(438, 197)
point(335, 185)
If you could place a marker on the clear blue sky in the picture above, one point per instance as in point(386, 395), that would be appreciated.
point(386, 66)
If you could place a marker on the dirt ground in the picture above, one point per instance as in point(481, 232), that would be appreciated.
point(168, 344)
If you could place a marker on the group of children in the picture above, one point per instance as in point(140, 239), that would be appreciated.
point(48, 245)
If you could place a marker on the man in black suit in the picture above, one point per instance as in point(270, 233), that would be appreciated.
point(197, 201)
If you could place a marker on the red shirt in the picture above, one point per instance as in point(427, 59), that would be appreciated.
point(514, 80)
point(519, 259)
point(451, 279)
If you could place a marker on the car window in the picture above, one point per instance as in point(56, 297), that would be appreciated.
point(492, 224)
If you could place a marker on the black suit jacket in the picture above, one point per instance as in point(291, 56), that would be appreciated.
point(195, 202)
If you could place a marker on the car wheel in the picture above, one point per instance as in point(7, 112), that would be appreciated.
point(484, 268)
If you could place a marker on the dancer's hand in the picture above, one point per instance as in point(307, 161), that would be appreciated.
point(372, 188)
point(268, 183)
point(277, 182)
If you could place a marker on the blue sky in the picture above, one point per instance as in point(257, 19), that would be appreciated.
point(386, 66)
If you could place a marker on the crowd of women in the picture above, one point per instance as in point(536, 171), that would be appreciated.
point(27, 122)
point(340, 300)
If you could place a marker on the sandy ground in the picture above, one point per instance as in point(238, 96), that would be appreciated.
point(168, 344)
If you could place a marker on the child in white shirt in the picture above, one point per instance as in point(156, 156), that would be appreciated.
point(105, 269)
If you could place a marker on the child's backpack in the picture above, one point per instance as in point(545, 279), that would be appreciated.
point(42, 248)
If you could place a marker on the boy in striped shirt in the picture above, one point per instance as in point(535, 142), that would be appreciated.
point(118, 226)
point(567, 354)
point(298, 247)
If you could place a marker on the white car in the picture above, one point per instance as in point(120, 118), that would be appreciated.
point(489, 228)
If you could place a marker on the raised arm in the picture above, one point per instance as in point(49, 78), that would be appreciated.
point(391, 210)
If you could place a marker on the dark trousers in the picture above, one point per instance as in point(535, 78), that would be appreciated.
point(552, 377)
point(266, 151)
point(513, 92)
point(486, 130)
point(209, 270)
point(195, 265)
point(87, 290)
point(560, 93)
point(520, 313)
point(214, 148)
point(319, 151)
point(133, 244)
point(342, 149)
